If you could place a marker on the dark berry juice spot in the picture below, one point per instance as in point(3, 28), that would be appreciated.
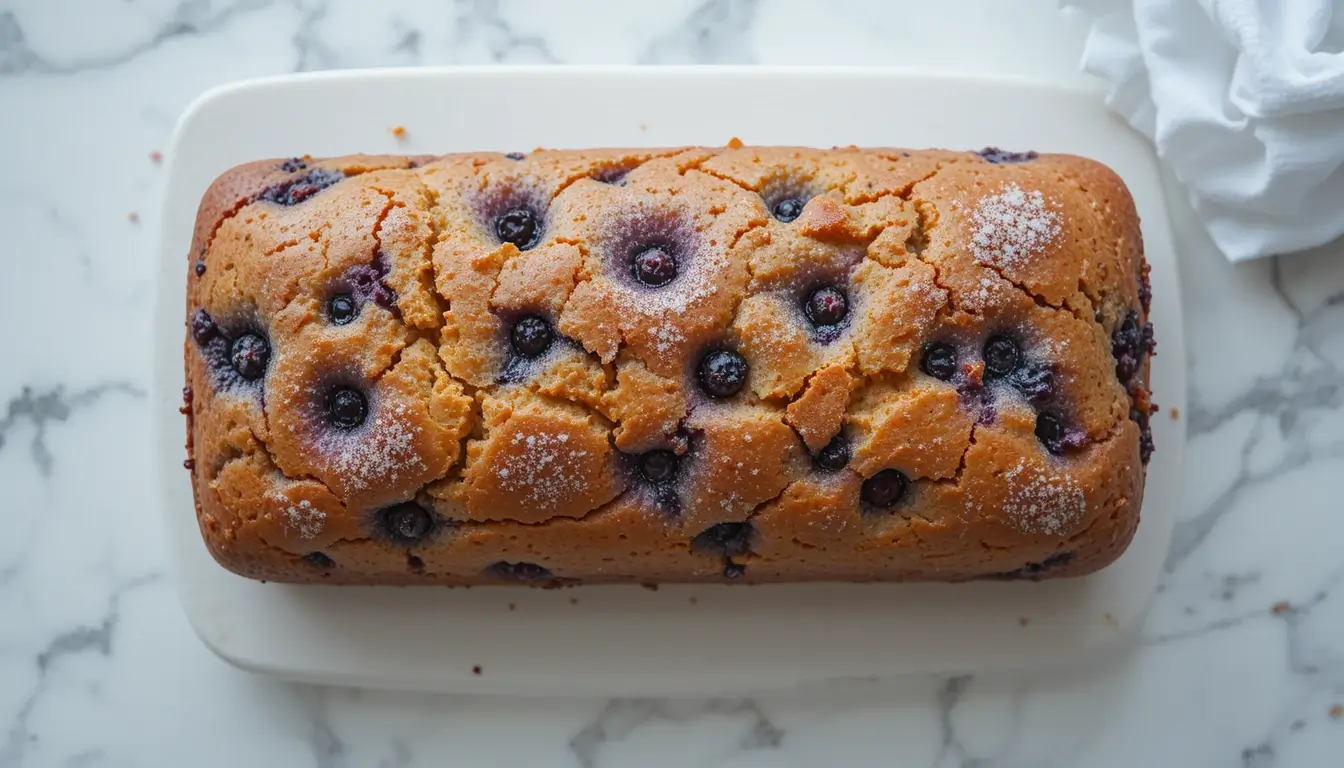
point(518, 226)
point(885, 489)
point(415, 563)
point(342, 309)
point(1034, 571)
point(369, 282)
point(526, 572)
point(939, 360)
point(834, 455)
point(347, 408)
point(1036, 382)
point(724, 539)
point(406, 523)
point(654, 267)
point(319, 560)
point(203, 327)
point(658, 467)
point(1001, 356)
point(531, 336)
point(788, 209)
point(723, 373)
point(1050, 431)
point(826, 306)
point(250, 354)
point(295, 191)
point(999, 156)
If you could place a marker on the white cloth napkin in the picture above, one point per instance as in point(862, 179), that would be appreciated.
point(1245, 102)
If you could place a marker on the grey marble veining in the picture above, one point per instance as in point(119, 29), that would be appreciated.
point(1239, 663)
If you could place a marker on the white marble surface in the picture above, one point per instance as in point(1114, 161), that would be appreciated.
point(99, 668)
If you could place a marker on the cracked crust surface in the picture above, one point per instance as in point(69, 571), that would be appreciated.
point(508, 469)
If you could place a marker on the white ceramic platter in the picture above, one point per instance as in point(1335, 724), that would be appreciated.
point(630, 640)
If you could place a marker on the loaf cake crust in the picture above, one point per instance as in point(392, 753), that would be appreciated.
point(739, 364)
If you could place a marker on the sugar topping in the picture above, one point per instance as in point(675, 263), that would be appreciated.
point(375, 456)
point(1012, 226)
point(542, 469)
point(305, 519)
point(1041, 500)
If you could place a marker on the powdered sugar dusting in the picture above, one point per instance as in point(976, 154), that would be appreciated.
point(1041, 500)
point(377, 455)
point(542, 469)
point(305, 519)
point(1012, 226)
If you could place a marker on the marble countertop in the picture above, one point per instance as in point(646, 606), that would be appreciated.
point(1241, 662)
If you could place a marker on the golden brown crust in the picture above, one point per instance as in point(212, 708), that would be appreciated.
point(989, 372)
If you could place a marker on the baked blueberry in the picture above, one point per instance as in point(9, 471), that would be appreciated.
point(342, 308)
point(1146, 445)
point(200, 267)
point(518, 226)
point(518, 571)
point(1034, 571)
point(1036, 382)
point(733, 570)
point(885, 489)
point(658, 466)
point(1050, 431)
point(203, 327)
point(319, 560)
point(516, 155)
point(725, 539)
point(834, 455)
point(294, 164)
point(1129, 344)
point(250, 354)
point(723, 373)
point(347, 408)
point(788, 209)
point(998, 156)
point(415, 563)
point(826, 306)
point(297, 190)
point(531, 336)
point(939, 360)
point(654, 267)
point(1001, 356)
point(406, 523)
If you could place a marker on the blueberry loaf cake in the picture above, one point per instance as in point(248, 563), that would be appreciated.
point(750, 364)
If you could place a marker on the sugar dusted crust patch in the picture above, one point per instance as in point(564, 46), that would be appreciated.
point(485, 369)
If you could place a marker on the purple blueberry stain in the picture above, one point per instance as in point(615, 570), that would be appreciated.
point(294, 165)
point(368, 282)
point(518, 571)
point(724, 539)
point(1035, 571)
point(296, 190)
point(320, 560)
point(1002, 156)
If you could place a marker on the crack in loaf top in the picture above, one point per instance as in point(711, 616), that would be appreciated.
point(687, 364)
